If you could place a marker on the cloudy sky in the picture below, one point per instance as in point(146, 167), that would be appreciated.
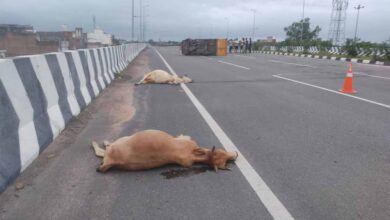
point(179, 19)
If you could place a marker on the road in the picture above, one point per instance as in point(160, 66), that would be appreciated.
point(321, 154)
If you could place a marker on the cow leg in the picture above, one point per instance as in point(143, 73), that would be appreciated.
point(98, 151)
point(103, 168)
point(107, 163)
point(139, 83)
point(142, 81)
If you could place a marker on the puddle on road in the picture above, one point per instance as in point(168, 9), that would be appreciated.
point(174, 173)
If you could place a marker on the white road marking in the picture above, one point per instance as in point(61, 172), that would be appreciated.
point(243, 67)
point(294, 64)
point(375, 76)
point(333, 91)
point(248, 57)
point(270, 201)
point(373, 65)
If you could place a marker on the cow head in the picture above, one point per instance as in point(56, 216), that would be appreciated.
point(186, 79)
point(219, 157)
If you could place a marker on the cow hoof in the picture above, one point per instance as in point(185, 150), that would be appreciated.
point(106, 143)
point(98, 169)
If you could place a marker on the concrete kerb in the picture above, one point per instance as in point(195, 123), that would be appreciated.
point(41, 93)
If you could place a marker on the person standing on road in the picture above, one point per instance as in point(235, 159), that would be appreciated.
point(240, 45)
point(246, 45)
point(230, 42)
point(235, 45)
point(250, 45)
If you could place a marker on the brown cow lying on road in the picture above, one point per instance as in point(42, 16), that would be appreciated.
point(153, 148)
point(163, 77)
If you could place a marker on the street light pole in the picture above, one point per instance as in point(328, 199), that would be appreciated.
point(357, 20)
point(132, 21)
point(140, 20)
point(144, 22)
point(254, 23)
point(227, 28)
point(303, 17)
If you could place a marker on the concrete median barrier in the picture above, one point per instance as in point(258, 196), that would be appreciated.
point(39, 95)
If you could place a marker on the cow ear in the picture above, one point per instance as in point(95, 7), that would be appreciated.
point(199, 152)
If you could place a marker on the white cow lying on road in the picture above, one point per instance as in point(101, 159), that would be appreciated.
point(163, 77)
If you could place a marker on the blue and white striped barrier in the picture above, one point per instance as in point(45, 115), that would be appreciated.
point(39, 94)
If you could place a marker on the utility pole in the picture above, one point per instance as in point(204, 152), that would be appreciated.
point(337, 22)
point(94, 22)
point(254, 23)
point(357, 20)
point(227, 27)
point(140, 20)
point(303, 17)
point(144, 22)
point(132, 21)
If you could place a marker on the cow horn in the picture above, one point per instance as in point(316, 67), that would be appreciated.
point(212, 150)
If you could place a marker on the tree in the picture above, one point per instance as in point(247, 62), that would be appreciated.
point(387, 42)
point(385, 46)
point(294, 31)
point(350, 47)
point(115, 41)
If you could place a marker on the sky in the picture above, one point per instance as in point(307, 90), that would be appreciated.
point(180, 19)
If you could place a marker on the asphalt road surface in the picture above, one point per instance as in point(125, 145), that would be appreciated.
point(320, 154)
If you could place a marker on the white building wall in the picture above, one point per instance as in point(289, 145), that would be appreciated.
point(99, 37)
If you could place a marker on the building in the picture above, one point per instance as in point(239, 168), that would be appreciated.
point(64, 40)
point(16, 40)
point(2, 53)
point(98, 38)
point(269, 39)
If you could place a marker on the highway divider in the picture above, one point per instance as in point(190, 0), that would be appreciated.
point(39, 94)
point(353, 60)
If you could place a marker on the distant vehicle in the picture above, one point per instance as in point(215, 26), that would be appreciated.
point(204, 47)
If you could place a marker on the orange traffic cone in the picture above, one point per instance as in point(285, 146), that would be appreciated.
point(348, 81)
